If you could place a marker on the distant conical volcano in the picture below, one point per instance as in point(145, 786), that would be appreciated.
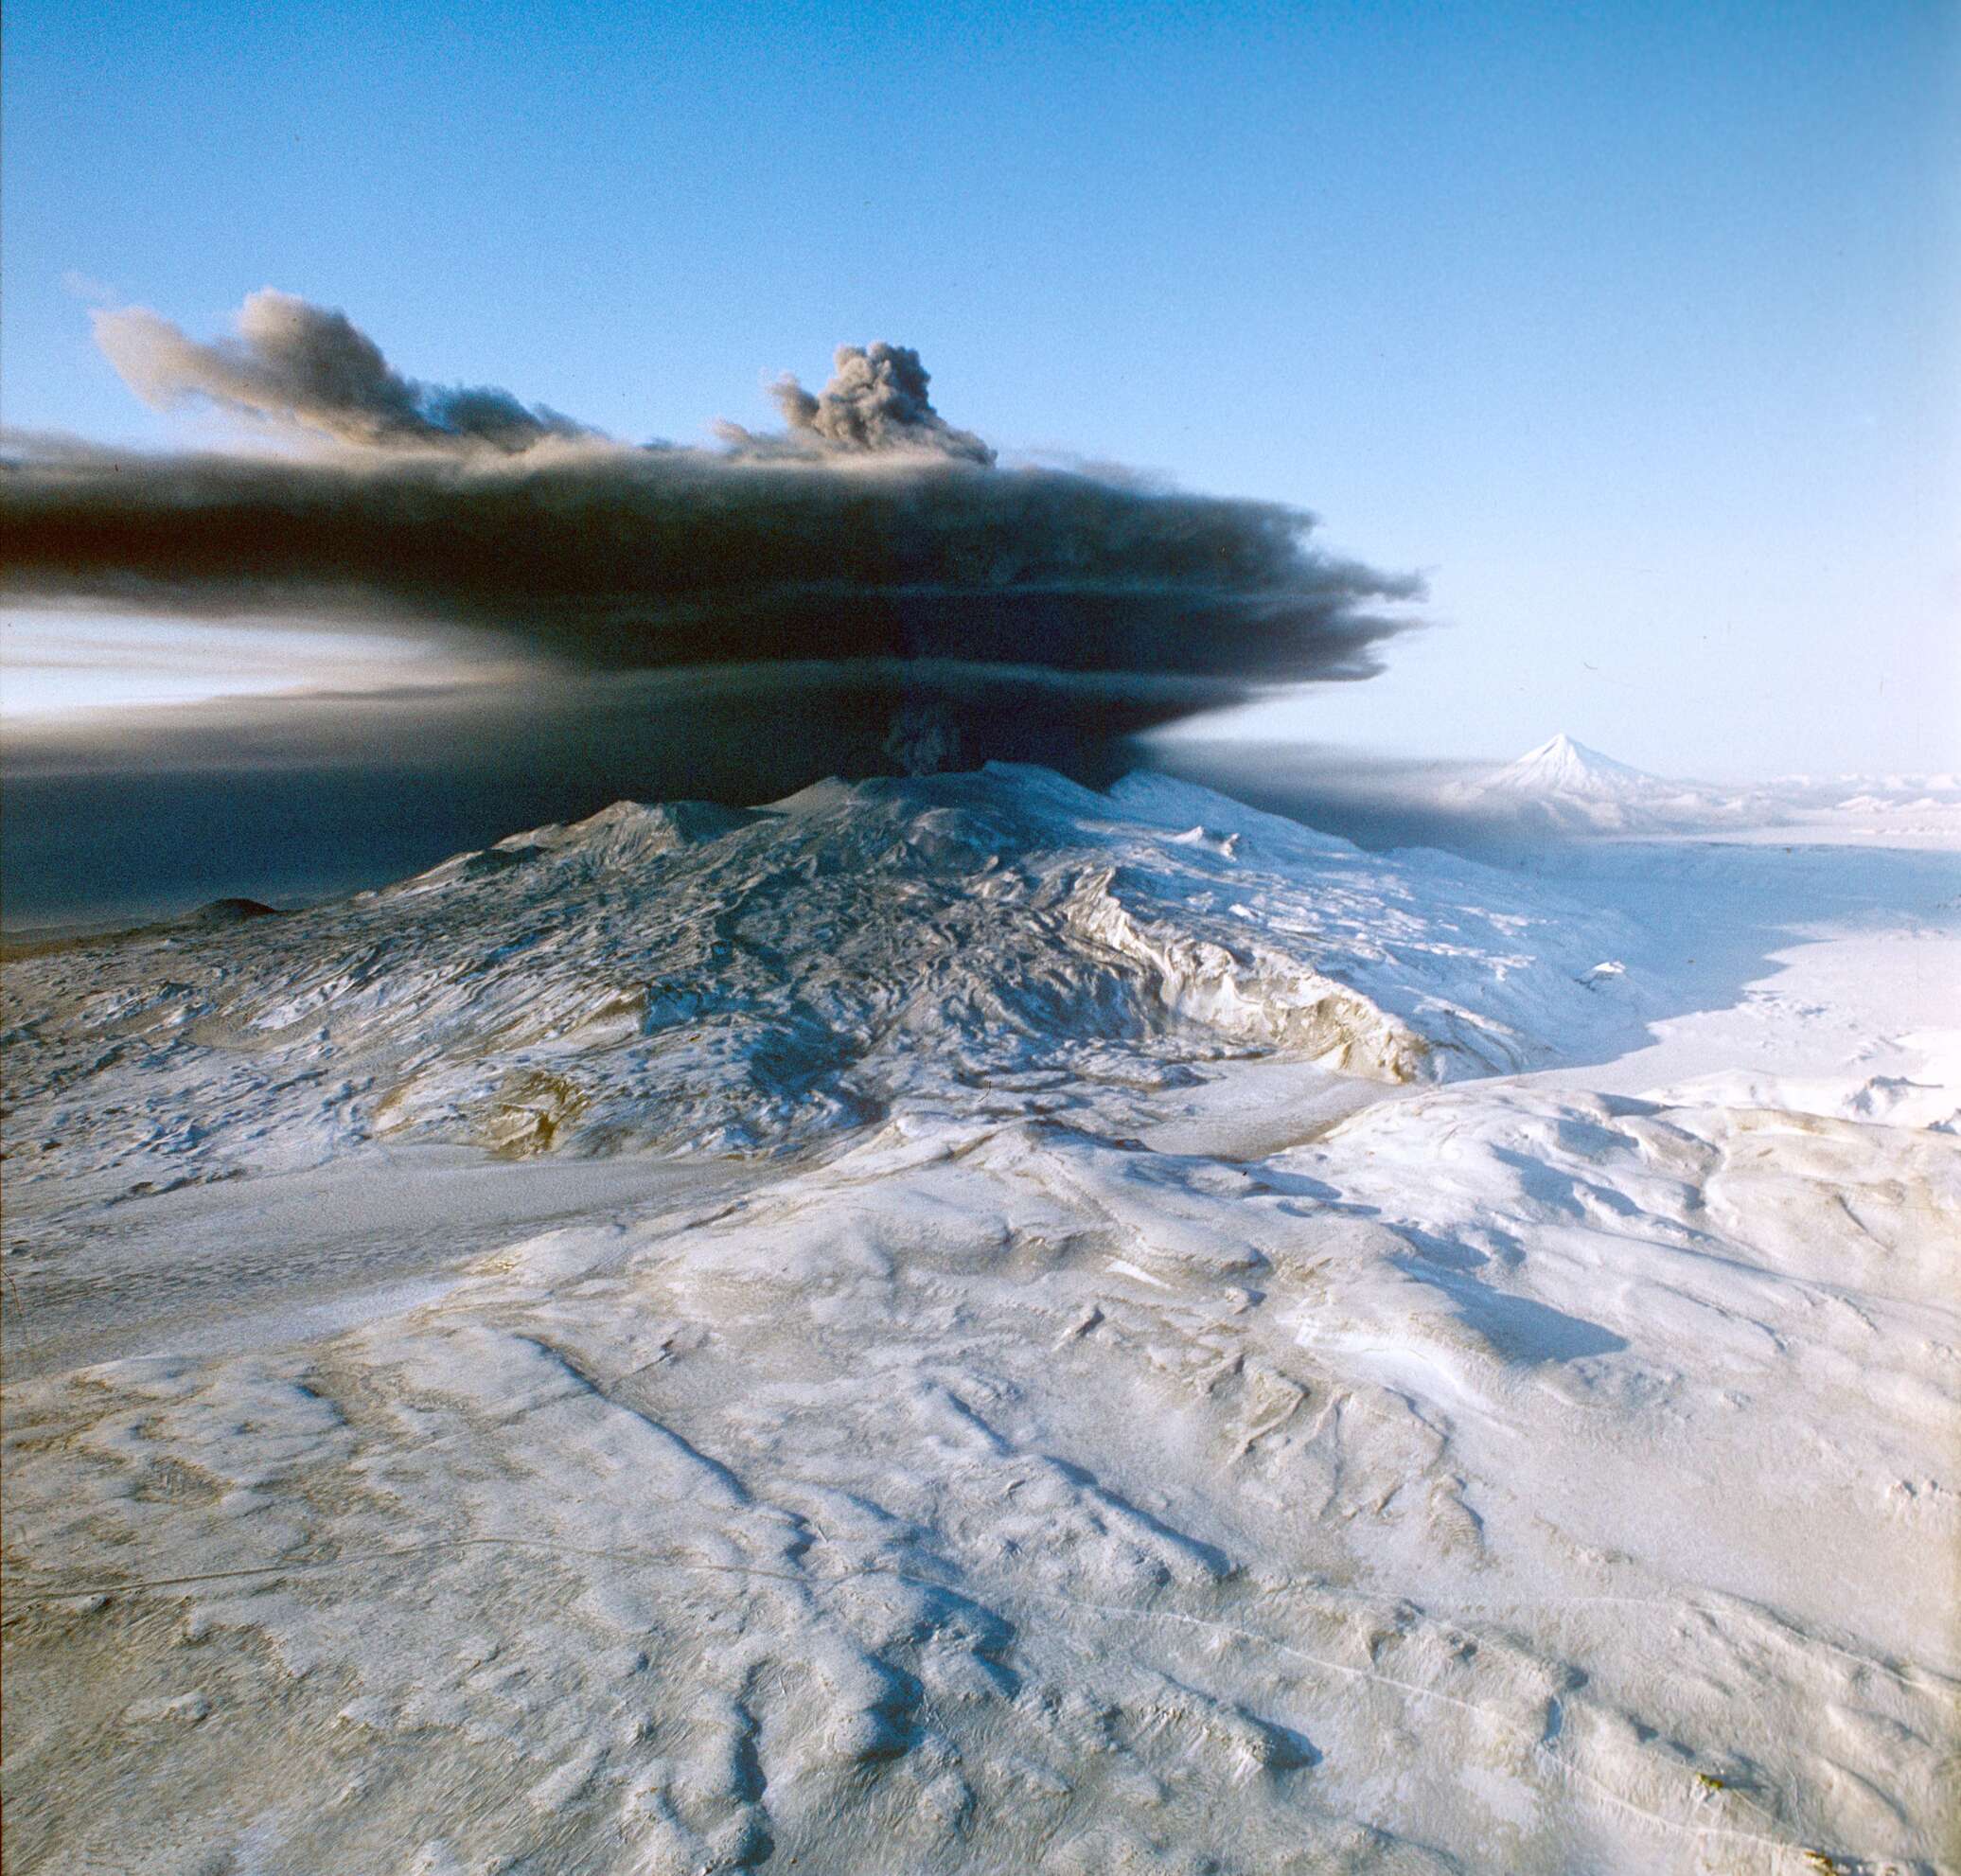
point(1565, 784)
point(1563, 766)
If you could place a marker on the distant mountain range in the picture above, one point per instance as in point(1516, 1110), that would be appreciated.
point(1563, 786)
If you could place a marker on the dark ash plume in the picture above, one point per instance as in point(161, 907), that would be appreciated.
point(656, 557)
point(876, 400)
point(873, 535)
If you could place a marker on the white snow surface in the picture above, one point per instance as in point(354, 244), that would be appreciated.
point(975, 1325)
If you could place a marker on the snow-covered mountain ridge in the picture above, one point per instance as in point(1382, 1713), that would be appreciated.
point(689, 976)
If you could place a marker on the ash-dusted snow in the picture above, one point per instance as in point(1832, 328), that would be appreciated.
point(975, 1325)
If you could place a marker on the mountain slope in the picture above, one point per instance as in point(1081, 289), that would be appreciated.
point(695, 977)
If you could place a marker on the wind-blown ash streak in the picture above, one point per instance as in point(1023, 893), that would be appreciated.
point(298, 365)
point(872, 530)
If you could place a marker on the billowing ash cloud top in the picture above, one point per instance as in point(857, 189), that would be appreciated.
point(869, 533)
point(876, 400)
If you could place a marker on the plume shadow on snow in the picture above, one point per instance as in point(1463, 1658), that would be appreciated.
point(148, 812)
point(1377, 802)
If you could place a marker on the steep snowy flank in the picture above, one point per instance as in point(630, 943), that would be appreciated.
point(692, 975)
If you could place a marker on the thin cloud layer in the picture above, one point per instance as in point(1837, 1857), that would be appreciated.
point(870, 532)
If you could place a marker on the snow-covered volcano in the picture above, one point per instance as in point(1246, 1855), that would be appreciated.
point(690, 976)
point(1562, 767)
point(1565, 783)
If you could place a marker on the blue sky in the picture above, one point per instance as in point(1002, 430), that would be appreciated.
point(1635, 327)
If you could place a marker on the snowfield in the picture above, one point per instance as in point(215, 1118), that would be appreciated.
point(976, 1326)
